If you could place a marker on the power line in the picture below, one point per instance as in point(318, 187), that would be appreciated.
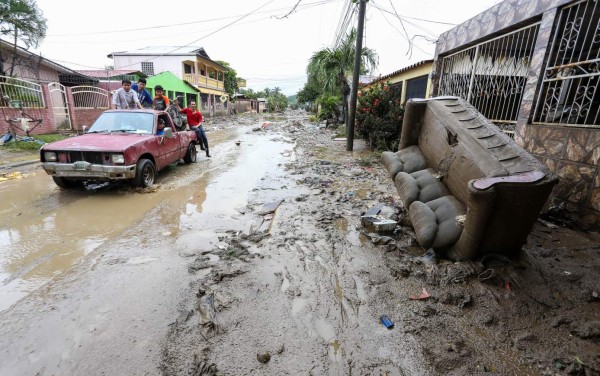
point(300, 7)
point(206, 36)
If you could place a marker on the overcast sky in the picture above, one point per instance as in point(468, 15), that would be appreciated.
point(261, 39)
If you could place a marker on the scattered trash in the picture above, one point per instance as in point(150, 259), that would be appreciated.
point(266, 124)
point(263, 357)
point(375, 223)
point(423, 296)
point(547, 224)
point(374, 210)
point(11, 176)
point(386, 322)
point(460, 219)
point(340, 139)
point(238, 143)
point(270, 208)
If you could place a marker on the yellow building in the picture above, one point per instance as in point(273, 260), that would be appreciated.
point(413, 81)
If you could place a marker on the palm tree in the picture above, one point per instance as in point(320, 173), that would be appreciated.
point(331, 67)
point(20, 20)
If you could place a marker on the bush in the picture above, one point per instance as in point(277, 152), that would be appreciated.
point(379, 117)
point(329, 107)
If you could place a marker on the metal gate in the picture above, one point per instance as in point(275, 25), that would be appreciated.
point(492, 75)
point(60, 110)
point(569, 95)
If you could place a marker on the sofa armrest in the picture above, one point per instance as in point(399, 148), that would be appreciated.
point(479, 209)
point(527, 177)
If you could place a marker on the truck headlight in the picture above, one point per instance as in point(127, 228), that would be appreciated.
point(118, 158)
point(50, 156)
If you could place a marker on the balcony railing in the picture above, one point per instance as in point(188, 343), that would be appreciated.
point(203, 81)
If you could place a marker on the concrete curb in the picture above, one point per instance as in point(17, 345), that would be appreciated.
point(18, 164)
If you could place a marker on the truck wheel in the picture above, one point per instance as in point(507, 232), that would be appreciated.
point(67, 183)
point(191, 155)
point(145, 173)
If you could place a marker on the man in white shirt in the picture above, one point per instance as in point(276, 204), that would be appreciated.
point(125, 97)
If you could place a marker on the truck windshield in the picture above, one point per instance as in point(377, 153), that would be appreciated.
point(126, 122)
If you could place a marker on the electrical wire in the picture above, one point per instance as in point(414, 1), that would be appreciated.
point(300, 7)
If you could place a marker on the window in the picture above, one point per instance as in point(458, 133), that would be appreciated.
point(148, 68)
point(188, 69)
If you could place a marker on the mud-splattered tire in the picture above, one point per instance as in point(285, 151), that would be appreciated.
point(145, 173)
point(67, 183)
point(191, 155)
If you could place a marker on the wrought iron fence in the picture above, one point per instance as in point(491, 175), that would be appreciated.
point(17, 93)
point(492, 75)
point(569, 93)
point(89, 97)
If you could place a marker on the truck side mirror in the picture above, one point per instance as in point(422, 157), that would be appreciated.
point(168, 132)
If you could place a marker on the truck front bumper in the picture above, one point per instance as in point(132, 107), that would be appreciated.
point(85, 170)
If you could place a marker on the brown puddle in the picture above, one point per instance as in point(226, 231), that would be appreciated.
point(45, 231)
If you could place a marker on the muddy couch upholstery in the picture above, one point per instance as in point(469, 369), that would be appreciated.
point(469, 189)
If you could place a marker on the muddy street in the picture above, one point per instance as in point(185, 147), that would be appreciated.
point(255, 262)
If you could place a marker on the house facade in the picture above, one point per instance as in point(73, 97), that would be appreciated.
point(191, 64)
point(409, 82)
point(36, 94)
point(532, 67)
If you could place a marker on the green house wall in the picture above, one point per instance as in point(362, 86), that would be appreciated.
point(173, 86)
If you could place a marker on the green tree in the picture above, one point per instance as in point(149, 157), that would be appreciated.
point(230, 79)
point(331, 67)
point(20, 21)
point(308, 95)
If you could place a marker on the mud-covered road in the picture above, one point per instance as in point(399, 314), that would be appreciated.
point(255, 263)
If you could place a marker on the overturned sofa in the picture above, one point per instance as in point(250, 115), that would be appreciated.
point(469, 189)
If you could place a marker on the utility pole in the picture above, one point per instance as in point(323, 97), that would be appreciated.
point(357, 58)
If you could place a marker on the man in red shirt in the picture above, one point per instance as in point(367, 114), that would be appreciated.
point(194, 118)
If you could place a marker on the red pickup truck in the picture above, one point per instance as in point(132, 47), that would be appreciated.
point(120, 145)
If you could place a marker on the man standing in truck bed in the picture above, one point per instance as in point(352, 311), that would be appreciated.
point(194, 118)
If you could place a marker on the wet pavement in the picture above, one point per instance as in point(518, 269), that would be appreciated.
point(254, 262)
point(88, 275)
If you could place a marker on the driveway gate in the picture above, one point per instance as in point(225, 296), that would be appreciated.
point(60, 110)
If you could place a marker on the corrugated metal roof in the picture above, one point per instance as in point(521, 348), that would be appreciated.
point(102, 73)
point(415, 65)
point(162, 50)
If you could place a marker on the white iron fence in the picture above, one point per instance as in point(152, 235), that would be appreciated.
point(16, 93)
point(90, 97)
point(492, 75)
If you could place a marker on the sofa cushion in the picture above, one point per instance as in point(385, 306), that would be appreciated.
point(421, 186)
point(435, 221)
point(407, 160)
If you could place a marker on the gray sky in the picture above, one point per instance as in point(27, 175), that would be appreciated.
point(261, 39)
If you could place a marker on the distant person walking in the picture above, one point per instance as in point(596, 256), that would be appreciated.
point(143, 96)
point(194, 118)
point(125, 97)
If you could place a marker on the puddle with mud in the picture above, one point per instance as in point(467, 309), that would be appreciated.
point(45, 231)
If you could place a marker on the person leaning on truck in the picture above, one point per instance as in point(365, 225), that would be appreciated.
point(194, 118)
point(125, 97)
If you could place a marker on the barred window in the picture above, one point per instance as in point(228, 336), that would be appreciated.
point(148, 68)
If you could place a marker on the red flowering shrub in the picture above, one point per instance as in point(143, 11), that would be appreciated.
point(379, 117)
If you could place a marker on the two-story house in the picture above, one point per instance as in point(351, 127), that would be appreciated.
point(191, 64)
